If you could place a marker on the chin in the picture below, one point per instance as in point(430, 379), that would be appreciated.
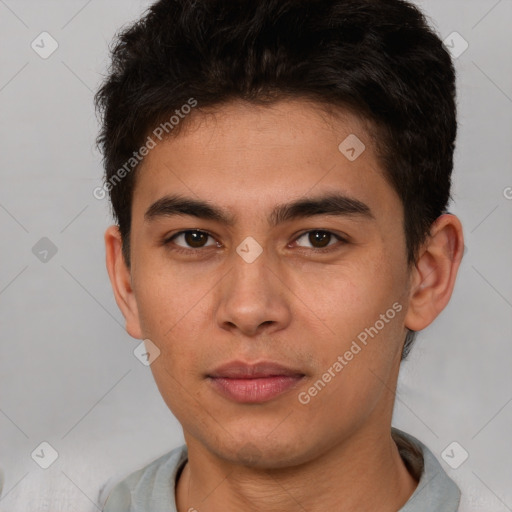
point(263, 453)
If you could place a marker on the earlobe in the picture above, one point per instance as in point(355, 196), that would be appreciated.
point(120, 279)
point(433, 276)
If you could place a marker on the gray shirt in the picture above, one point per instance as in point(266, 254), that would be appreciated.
point(152, 488)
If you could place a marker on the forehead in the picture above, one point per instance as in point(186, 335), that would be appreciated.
point(242, 156)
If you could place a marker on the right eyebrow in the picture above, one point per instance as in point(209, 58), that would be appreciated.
point(171, 205)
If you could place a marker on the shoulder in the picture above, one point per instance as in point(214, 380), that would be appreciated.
point(153, 483)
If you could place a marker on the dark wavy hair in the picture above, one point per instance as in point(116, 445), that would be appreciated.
point(378, 58)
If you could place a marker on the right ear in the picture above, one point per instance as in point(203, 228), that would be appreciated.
point(120, 279)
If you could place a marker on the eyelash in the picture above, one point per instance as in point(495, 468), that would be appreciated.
point(168, 241)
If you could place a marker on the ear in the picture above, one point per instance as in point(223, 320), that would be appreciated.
point(120, 279)
point(434, 273)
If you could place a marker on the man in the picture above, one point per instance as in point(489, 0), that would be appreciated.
point(280, 173)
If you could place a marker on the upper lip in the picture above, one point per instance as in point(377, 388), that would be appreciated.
point(241, 370)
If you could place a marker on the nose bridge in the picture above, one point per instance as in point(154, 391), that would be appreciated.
point(252, 276)
point(250, 266)
point(249, 279)
point(251, 294)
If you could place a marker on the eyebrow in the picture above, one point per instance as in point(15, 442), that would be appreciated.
point(328, 204)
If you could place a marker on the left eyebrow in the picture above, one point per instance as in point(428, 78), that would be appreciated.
point(328, 204)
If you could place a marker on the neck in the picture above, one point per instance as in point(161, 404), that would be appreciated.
point(363, 472)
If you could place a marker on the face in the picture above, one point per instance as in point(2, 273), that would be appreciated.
point(293, 253)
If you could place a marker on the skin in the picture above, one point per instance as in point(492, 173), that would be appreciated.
point(292, 305)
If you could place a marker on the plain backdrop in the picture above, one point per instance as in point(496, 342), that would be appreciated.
point(68, 375)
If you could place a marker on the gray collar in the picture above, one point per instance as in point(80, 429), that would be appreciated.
point(436, 490)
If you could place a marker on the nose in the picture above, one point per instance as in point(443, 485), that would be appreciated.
point(252, 299)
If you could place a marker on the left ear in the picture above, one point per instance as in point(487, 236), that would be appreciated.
point(434, 273)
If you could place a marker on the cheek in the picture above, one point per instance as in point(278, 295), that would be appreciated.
point(168, 297)
point(360, 302)
point(176, 392)
point(352, 293)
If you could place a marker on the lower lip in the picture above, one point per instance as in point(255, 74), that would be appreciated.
point(254, 390)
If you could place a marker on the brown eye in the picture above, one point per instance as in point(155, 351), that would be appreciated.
point(318, 239)
point(194, 239)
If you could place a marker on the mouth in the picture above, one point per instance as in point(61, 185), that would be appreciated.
point(253, 383)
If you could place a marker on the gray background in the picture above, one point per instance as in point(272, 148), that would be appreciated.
point(68, 375)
